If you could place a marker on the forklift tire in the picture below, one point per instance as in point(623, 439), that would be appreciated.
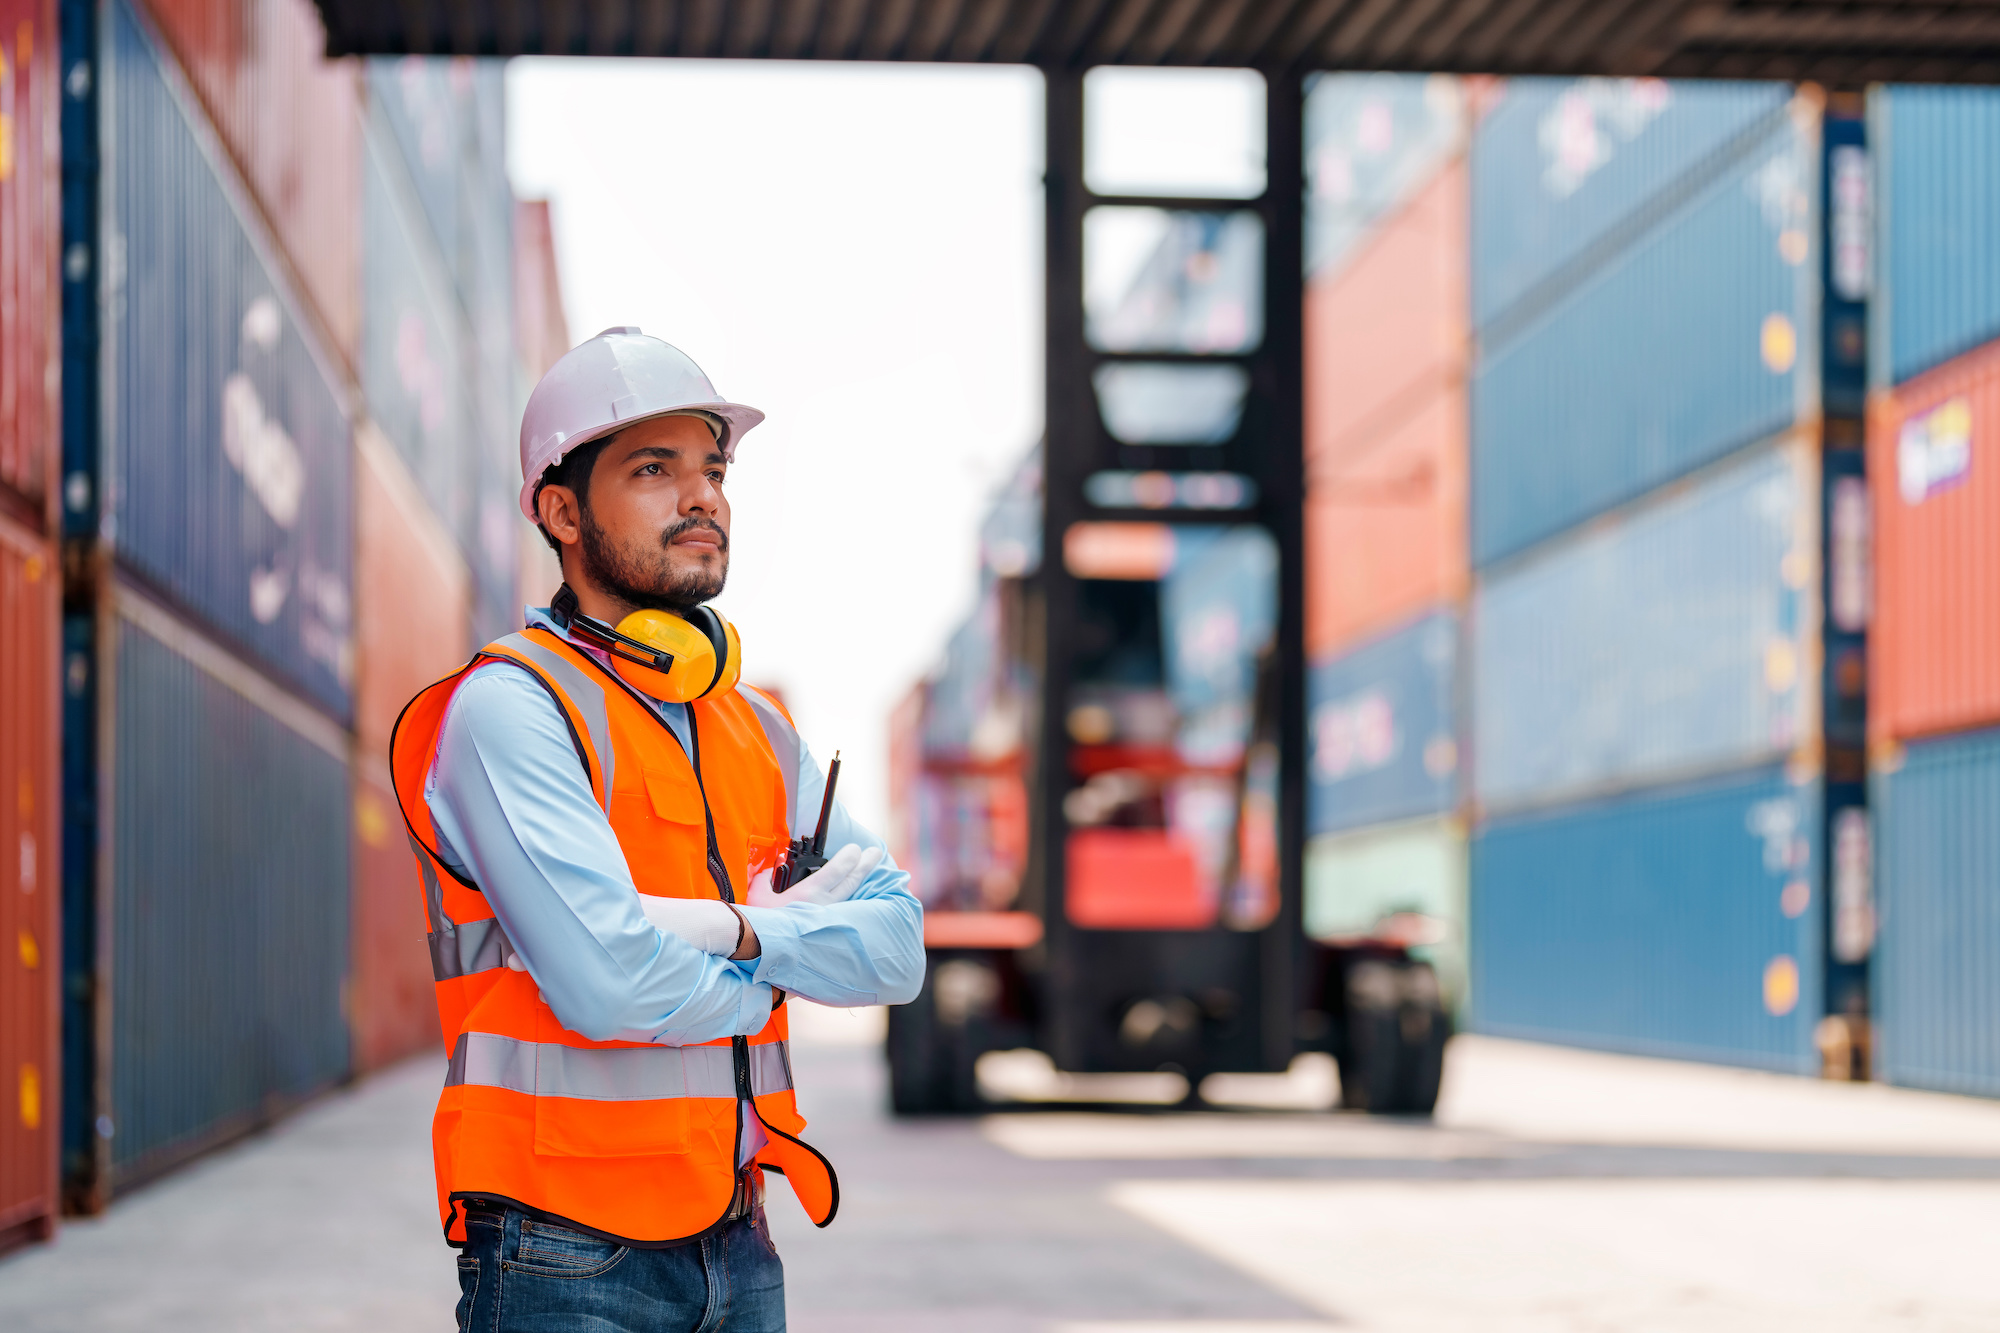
point(930, 1062)
point(1392, 1059)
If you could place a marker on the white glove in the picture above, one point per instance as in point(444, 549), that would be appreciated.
point(709, 924)
point(834, 882)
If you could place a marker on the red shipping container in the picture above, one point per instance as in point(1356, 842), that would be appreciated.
point(541, 331)
point(1386, 456)
point(1135, 879)
point(412, 626)
point(31, 894)
point(292, 121)
point(30, 232)
point(1934, 640)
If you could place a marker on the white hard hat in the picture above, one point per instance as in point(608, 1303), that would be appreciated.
point(604, 385)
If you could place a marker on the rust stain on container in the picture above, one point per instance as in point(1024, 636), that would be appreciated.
point(1386, 460)
point(413, 625)
point(1934, 645)
point(292, 121)
point(30, 885)
point(30, 297)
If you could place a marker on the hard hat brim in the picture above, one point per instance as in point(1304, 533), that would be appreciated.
point(737, 419)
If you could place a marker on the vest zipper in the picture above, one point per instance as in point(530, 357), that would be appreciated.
point(739, 1047)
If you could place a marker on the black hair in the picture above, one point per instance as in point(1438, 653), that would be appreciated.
point(573, 470)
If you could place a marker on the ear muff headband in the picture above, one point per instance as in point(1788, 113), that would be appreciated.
point(665, 656)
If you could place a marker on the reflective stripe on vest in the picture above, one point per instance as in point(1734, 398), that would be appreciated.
point(586, 694)
point(613, 1074)
point(785, 746)
point(457, 950)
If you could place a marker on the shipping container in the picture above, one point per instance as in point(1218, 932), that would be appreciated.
point(1934, 640)
point(291, 121)
point(1678, 922)
point(1697, 339)
point(1382, 719)
point(1372, 141)
point(412, 625)
point(541, 329)
point(30, 906)
point(1386, 348)
point(30, 239)
point(1402, 882)
point(1937, 200)
point(228, 481)
point(1669, 640)
point(225, 898)
point(1937, 867)
point(1566, 169)
point(414, 362)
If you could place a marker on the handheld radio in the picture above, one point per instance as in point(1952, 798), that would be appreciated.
point(806, 855)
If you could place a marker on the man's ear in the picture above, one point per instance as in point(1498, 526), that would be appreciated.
point(560, 514)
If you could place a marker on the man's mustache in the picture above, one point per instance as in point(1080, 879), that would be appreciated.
point(689, 525)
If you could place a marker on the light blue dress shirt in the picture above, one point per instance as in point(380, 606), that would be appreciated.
point(515, 814)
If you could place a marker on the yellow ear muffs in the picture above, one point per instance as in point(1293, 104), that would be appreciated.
point(702, 654)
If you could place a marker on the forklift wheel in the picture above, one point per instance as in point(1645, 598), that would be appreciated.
point(931, 1059)
point(1392, 1060)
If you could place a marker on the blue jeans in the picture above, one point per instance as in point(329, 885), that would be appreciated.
point(519, 1275)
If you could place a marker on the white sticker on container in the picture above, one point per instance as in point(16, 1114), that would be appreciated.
point(1934, 451)
point(1354, 735)
point(1853, 887)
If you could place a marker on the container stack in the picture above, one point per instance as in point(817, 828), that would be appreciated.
point(1934, 660)
point(30, 587)
point(1657, 423)
point(287, 505)
point(1386, 562)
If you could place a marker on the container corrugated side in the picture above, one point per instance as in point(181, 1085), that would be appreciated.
point(292, 122)
point(1382, 728)
point(1937, 958)
point(1356, 881)
point(1673, 639)
point(1386, 348)
point(1372, 141)
point(30, 237)
point(412, 625)
point(1657, 923)
point(31, 888)
point(1934, 642)
point(541, 330)
point(413, 355)
point(228, 929)
point(228, 454)
point(1938, 225)
point(1560, 165)
point(1698, 340)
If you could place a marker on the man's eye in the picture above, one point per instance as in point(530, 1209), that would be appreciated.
point(715, 477)
point(650, 469)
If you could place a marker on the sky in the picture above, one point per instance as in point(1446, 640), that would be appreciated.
point(856, 250)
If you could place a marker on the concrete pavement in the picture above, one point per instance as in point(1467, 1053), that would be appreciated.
point(1557, 1190)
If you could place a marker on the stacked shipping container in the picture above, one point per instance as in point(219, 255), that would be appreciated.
point(30, 583)
point(1656, 409)
point(1386, 559)
point(288, 499)
point(1934, 662)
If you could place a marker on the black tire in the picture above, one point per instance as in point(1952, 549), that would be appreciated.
point(1392, 1056)
point(932, 1062)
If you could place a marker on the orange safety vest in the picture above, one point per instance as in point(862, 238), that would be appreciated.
point(633, 1141)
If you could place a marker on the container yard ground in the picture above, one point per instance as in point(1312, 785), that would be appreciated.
point(1558, 1190)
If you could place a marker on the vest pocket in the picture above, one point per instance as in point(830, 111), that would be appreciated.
point(675, 797)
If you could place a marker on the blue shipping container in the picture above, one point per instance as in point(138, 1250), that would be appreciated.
point(1382, 721)
point(1674, 923)
point(1937, 958)
point(229, 900)
point(1372, 140)
point(1561, 165)
point(1670, 642)
point(413, 346)
point(1696, 341)
point(1938, 225)
point(229, 480)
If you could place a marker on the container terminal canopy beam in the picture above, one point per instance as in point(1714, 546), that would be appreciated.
point(1837, 42)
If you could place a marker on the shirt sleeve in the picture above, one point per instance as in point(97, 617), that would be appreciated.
point(867, 950)
point(516, 815)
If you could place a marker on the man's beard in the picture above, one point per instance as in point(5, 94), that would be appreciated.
point(646, 579)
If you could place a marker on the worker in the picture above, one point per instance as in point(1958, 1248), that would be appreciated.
point(603, 817)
